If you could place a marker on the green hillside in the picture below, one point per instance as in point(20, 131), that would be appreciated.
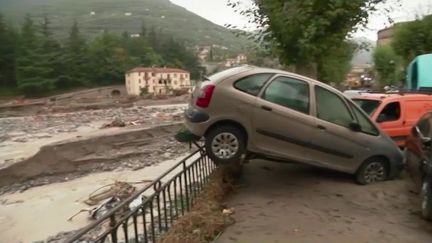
point(112, 15)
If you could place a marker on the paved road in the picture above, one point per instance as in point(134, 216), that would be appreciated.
point(292, 203)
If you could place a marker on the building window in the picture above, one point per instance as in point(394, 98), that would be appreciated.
point(175, 75)
point(175, 82)
point(154, 74)
point(160, 81)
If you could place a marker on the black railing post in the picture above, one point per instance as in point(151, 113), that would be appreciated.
point(186, 185)
point(152, 221)
point(135, 228)
point(113, 229)
point(143, 209)
point(195, 170)
point(125, 231)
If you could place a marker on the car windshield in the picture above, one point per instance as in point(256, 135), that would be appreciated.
point(369, 106)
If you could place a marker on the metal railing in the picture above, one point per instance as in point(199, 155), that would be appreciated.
point(167, 198)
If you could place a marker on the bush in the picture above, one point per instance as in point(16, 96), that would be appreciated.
point(34, 89)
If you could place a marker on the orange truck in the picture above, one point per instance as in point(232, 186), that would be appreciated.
point(395, 113)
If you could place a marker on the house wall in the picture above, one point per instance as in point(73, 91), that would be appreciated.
point(156, 83)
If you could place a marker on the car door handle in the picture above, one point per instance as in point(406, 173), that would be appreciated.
point(266, 108)
point(321, 127)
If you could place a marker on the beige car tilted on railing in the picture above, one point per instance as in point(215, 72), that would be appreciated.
point(273, 114)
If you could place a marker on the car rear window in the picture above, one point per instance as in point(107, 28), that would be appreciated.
point(369, 106)
point(252, 84)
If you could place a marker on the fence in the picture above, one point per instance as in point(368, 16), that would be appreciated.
point(160, 203)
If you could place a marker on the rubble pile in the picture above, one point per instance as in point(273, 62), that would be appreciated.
point(23, 129)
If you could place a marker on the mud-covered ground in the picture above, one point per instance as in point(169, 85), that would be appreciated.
point(278, 202)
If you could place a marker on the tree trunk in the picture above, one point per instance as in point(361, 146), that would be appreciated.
point(309, 70)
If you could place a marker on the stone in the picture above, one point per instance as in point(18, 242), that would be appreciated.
point(118, 122)
point(20, 140)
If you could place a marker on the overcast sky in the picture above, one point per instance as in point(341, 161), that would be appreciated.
point(218, 12)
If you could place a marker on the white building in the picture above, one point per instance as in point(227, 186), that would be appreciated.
point(157, 80)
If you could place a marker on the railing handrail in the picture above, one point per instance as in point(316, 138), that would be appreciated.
point(107, 216)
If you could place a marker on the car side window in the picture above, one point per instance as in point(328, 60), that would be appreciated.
point(252, 84)
point(391, 112)
point(330, 107)
point(289, 92)
point(365, 124)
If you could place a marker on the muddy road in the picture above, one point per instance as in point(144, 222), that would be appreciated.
point(298, 204)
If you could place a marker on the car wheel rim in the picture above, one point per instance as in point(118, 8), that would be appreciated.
point(374, 172)
point(225, 145)
point(425, 188)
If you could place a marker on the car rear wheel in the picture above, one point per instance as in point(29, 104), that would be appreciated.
point(426, 194)
point(225, 144)
point(371, 171)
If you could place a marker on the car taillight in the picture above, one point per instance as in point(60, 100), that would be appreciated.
point(204, 97)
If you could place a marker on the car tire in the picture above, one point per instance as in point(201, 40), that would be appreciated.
point(225, 144)
point(426, 196)
point(371, 171)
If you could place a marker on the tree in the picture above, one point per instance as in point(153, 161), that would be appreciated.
point(304, 32)
point(387, 64)
point(143, 32)
point(33, 76)
point(77, 70)
point(8, 38)
point(140, 52)
point(413, 38)
point(337, 64)
point(108, 59)
point(175, 54)
point(50, 52)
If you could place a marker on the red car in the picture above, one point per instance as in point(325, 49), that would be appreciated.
point(418, 160)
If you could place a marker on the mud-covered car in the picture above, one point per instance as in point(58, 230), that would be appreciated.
point(418, 158)
point(251, 111)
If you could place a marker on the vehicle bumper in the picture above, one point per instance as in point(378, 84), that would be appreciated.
point(196, 121)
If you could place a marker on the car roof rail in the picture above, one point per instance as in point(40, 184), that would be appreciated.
point(421, 90)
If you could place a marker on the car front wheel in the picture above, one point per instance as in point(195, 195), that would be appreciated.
point(371, 171)
point(426, 194)
point(225, 144)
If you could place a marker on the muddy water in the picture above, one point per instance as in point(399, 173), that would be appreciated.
point(43, 211)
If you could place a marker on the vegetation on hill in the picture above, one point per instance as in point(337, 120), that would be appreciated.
point(34, 63)
point(116, 16)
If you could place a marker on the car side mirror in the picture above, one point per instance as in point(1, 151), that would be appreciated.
point(381, 118)
point(426, 141)
point(354, 126)
point(415, 131)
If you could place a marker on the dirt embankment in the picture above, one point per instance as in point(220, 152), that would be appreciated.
point(80, 153)
point(84, 100)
